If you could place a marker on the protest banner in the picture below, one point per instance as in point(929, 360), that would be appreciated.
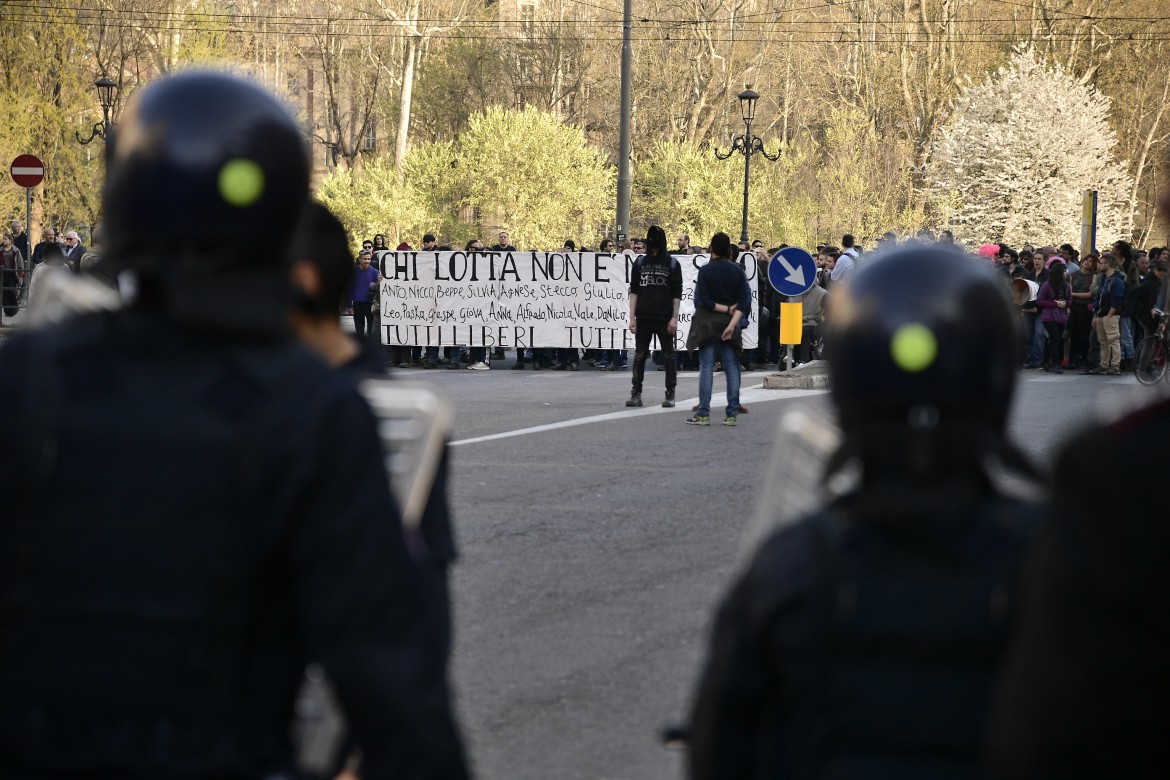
point(520, 300)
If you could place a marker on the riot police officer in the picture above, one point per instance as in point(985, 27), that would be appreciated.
point(863, 640)
point(195, 507)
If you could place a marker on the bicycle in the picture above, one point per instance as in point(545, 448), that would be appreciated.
point(1151, 359)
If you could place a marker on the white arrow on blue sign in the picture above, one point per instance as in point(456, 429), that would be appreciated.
point(792, 271)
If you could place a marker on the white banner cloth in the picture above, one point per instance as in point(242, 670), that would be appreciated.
point(519, 300)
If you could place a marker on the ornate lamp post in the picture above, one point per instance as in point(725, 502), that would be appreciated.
point(105, 88)
point(747, 145)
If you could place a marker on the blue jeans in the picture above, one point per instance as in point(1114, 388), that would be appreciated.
point(1034, 336)
point(1126, 338)
point(614, 357)
point(707, 354)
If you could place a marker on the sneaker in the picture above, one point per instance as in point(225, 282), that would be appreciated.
point(730, 421)
point(404, 364)
point(668, 402)
point(429, 364)
point(518, 366)
point(559, 367)
point(1114, 371)
point(574, 366)
point(699, 419)
point(1096, 371)
point(601, 365)
point(480, 366)
point(635, 399)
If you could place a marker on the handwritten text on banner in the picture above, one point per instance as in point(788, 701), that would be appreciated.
point(523, 299)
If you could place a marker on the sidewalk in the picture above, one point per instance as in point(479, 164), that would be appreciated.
point(12, 324)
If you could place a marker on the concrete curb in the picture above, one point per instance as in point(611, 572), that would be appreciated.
point(814, 376)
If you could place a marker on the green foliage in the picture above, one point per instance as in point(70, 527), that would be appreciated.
point(432, 171)
point(459, 80)
point(46, 98)
point(522, 171)
point(794, 200)
point(861, 191)
point(374, 202)
point(686, 189)
point(528, 173)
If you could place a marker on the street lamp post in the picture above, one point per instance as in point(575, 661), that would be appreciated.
point(747, 145)
point(106, 87)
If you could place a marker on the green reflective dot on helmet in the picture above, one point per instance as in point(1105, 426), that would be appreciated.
point(241, 182)
point(913, 348)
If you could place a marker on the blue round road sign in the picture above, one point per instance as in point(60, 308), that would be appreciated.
point(792, 271)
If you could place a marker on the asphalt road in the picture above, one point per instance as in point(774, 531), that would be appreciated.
point(595, 542)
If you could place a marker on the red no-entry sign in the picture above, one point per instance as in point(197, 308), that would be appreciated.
point(27, 170)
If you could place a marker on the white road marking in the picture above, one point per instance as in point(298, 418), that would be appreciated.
point(754, 394)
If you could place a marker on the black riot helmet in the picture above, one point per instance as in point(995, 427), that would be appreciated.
point(923, 341)
point(206, 178)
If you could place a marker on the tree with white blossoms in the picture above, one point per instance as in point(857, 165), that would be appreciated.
point(1012, 161)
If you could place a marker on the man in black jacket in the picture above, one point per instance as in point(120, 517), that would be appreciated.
point(195, 506)
point(1147, 296)
point(655, 295)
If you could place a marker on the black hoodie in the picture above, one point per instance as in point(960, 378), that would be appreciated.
point(656, 279)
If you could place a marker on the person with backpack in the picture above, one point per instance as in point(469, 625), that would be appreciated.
point(1106, 317)
point(864, 640)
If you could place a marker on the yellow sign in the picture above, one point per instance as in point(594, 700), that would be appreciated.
point(791, 319)
point(1088, 221)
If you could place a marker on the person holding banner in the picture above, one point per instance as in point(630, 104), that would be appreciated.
point(655, 295)
point(722, 295)
point(362, 295)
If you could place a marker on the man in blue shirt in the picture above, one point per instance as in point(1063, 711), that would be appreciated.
point(1110, 299)
point(362, 295)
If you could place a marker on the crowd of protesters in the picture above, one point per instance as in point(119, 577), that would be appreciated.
point(1080, 313)
point(1086, 314)
point(22, 272)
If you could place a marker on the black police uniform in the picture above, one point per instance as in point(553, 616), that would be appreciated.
point(195, 507)
point(197, 525)
point(1086, 693)
point(864, 640)
point(432, 545)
